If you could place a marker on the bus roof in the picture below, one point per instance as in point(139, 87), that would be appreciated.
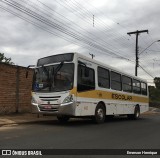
point(96, 62)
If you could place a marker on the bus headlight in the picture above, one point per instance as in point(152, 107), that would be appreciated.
point(34, 101)
point(68, 99)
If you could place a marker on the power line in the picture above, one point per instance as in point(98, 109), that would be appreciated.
point(77, 35)
point(146, 71)
point(58, 27)
point(88, 14)
point(105, 42)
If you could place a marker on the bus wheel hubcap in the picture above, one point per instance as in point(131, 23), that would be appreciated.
point(100, 114)
point(137, 114)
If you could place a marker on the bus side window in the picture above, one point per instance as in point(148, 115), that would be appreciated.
point(144, 88)
point(127, 84)
point(136, 86)
point(103, 78)
point(116, 82)
point(85, 82)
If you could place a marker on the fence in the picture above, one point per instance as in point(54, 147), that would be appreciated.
point(15, 89)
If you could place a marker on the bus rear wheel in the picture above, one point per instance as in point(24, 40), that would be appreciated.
point(63, 119)
point(100, 114)
point(136, 114)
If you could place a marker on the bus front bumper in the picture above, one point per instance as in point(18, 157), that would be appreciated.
point(62, 109)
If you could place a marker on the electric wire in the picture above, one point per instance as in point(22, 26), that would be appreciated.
point(76, 36)
point(58, 27)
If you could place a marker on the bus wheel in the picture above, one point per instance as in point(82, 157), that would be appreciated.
point(136, 114)
point(63, 119)
point(100, 114)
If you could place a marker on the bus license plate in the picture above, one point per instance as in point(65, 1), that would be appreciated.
point(48, 107)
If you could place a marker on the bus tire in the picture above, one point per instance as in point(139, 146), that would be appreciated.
point(136, 114)
point(63, 119)
point(100, 114)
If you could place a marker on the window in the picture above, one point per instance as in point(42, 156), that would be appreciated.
point(103, 78)
point(127, 84)
point(116, 81)
point(136, 86)
point(86, 78)
point(144, 88)
point(55, 59)
point(53, 78)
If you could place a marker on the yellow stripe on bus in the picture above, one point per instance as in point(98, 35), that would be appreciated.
point(98, 94)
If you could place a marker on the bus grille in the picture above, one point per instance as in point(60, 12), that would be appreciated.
point(49, 104)
point(49, 98)
point(53, 109)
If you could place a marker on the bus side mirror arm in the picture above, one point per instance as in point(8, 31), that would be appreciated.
point(28, 69)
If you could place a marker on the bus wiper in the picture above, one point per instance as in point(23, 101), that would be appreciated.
point(45, 71)
point(54, 73)
point(58, 68)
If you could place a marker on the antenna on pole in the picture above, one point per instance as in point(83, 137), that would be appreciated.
point(93, 20)
point(92, 55)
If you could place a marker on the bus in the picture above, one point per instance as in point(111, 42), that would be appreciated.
point(73, 85)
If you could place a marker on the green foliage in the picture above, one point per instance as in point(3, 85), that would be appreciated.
point(5, 59)
point(157, 82)
point(154, 92)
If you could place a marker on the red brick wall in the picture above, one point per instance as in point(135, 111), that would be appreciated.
point(15, 89)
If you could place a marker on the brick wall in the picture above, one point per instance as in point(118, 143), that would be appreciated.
point(15, 89)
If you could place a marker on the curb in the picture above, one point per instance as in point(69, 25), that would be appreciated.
point(22, 122)
point(151, 113)
point(10, 120)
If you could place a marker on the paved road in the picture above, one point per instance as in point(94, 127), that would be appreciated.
point(118, 133)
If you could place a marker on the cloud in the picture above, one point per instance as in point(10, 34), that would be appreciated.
point(25, 43)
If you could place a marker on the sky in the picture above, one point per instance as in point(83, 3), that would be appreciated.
point(31, 29)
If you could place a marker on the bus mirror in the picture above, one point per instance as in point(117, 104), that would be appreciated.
point(28, 69)
point(86, 73)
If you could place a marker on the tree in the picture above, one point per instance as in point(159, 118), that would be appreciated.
point(5, 59)
point(154, 92)
point(157, 82)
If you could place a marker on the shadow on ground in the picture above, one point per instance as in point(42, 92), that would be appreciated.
point(86, 121)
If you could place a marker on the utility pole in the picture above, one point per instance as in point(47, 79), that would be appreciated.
point(137, 57)
point(92, 55)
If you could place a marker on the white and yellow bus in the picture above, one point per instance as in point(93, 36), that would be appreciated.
point(72, 85)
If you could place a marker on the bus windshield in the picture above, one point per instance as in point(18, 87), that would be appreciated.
point(53, 78)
